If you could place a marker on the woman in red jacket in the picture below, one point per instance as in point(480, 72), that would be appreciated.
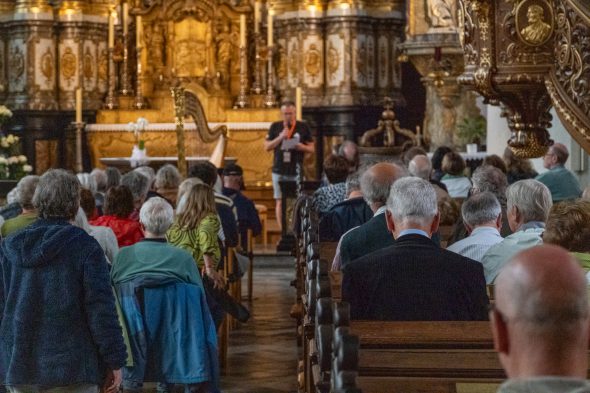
point(118, 205)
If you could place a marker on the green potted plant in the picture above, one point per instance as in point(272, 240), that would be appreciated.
point(471, 131)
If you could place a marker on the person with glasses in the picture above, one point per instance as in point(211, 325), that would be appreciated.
point(541, 323)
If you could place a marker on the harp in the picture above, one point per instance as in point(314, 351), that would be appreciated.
point(187, 103)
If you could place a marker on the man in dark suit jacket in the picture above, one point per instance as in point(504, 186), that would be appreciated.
point(414, 280)
point(373, 235)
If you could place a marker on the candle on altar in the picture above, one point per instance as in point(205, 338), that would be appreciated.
point(125, 18)
point(257, 16)
point(112, 29)
point(242, 31)
point(79, 105)
point(298, 104)
point(138, 31)
point(269, 28)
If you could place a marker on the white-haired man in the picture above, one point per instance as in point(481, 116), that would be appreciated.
point(414, 279)
point(528, 205)
point(541, 323)
point(482, 217)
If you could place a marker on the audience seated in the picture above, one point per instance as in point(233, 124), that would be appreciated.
point(103, 235)
point(420, 166)
point(12, 207)
point(336, 170)
point(350, 151)
point(58, 322)
point(350, 213)
point(495, 161)
point(411, 153)
point(100, 178)
point(247, 214)
point(373, 235)
point(562, 183)
point(25, 192)
point(457, 183)
point(228, 215)
point(118, 207)
point(113, 177)
point(167, 181)
point(568, 226)
point(482, 217)
point(139, 186)
point(528, 204)
point(437, 158)
point(540, 323)
point(171, 333)
point(414, 279)
point(491, 179)
point(517, 168)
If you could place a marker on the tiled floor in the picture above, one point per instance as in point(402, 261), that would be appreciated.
point(262, 354)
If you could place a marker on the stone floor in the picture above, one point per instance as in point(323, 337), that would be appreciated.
point(262, 355)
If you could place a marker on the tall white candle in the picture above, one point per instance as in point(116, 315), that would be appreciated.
point(269, 38)
point(298, 104)
point(79, 105)
point(242, 31)
point(257, 10)
point(111, 29)
point(125, 18)
point(138, 31)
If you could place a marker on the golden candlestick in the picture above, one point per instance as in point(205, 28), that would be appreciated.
point(270, 99)
point(125, 84)
point(111, 101)
point(242, 100)
point(179, 110)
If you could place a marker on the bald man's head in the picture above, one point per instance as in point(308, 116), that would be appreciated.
point(376, 182)
point(542, 302)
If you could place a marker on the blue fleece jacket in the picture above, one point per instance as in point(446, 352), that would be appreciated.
point(58, 323)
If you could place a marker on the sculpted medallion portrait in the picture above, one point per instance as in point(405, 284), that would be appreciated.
point(534, 22)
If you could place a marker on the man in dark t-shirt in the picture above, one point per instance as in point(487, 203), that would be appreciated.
point(290, 140)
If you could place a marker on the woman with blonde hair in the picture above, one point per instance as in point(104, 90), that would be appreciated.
point(195, 229)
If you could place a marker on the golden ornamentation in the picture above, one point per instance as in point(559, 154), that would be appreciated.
point(103, 62)
point(293, 60)
point(333, 60)
point(389, 126)
point(313, 61)
point(441, 13)
point(283, 66)
point(16, 63)
point(537, 31)
point(46, 65)
point(88, 65)
point(361, 61)
point(68, 65)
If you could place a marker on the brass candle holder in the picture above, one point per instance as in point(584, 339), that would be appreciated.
point(140, 101)
point(125, 84)
point(257, 83)
point(242, 99)
point(111, 101)
point(270, 99)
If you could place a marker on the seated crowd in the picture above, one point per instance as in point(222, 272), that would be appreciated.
point(418, 240)
point(142, 253)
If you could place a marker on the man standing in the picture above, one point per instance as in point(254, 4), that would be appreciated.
point(414, 279)
point(290, 139)
point(541, 323)
point(561, 182)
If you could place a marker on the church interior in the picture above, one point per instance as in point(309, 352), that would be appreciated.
point(124, 83)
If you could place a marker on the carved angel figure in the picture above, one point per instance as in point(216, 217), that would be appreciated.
point(441, 13)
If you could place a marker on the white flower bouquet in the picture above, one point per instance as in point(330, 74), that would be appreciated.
point(5, 114)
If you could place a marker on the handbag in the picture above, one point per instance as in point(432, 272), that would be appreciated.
point(225, 301)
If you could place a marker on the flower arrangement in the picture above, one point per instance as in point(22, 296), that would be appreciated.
point(13, 165)
point(137, 128)
point(5, 114)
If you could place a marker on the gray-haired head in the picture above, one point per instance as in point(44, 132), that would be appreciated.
point(113, 177)
point(377, 180)
point(148, 172)
point(491, 179)
point(25, 190)
point(412, 200)
point(532, 199)
point(100, 178)
point(420, 166)
point(156, 215)
point(168, 177)
point(353, 182)
point(87, 181)
point(12, 196)
point(57, 195)
point(481, 208)
point(138, 184)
